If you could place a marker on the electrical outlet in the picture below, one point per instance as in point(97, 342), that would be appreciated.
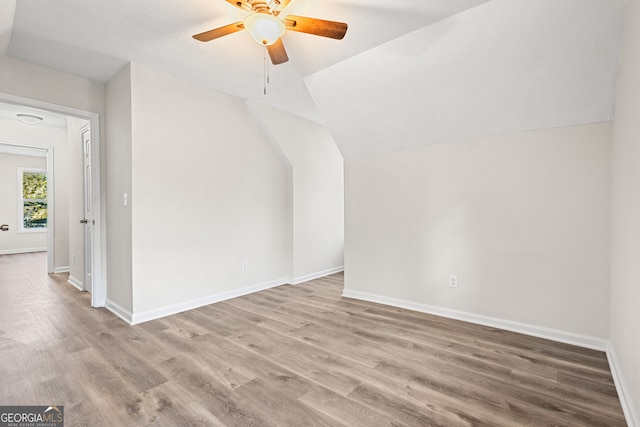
point(245, 266)
point(453, 281)
point(73, 260)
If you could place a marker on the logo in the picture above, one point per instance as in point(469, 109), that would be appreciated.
point(31, 416)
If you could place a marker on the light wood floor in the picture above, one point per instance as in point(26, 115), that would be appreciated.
point(291, 356)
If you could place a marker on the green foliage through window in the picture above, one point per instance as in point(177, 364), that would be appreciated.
point(34, 200)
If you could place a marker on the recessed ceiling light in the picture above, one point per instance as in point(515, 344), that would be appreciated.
point(29, 118)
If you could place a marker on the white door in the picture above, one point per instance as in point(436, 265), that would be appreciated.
point(88, 219)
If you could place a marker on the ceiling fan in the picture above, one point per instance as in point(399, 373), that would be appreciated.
point(267, 28)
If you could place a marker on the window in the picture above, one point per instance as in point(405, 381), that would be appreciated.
point(32, 200)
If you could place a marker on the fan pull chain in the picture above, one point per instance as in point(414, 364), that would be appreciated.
point(265, 67)
point(264, 70)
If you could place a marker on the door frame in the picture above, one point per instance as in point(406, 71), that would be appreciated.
point(98, 250)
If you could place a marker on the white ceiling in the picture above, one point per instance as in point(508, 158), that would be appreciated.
point(95, 38)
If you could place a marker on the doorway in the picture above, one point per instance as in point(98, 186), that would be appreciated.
point(27, 222)
point(93, 279)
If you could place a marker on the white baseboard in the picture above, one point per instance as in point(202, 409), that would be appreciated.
point(623, 395)
point(135, 318)
point(75, 282)
point(119, 311)
point(145, 316)
point(307, 277)
point(64, 269)
point(536, 331)
point(22, 251)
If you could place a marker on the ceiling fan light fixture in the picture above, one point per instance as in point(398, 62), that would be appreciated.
point(264, 28)
point(29, 118)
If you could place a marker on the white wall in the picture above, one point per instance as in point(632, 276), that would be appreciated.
point(118, 161)
point(625, 248)
point(11, 241)
point(14, 131)
point(522, 219)
point(44, 84)
point(318, 191)
point(208, 192)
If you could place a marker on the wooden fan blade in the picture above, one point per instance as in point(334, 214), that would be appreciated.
point(277, 53)
point(318, 27)
point(219, 32)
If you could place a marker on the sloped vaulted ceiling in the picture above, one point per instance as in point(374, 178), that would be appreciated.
point(504, 66)
point(409, 73)
point(7, 10)
point(95, 38)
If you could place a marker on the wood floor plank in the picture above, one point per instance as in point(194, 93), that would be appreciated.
point(115, 398)
point(405, 412)
point(287, 356)
point(141, 375)
point(272, 400)
point(347, 411)
point(228, 376)
point(304, 360)
point(223, 404)
point(174, 407)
